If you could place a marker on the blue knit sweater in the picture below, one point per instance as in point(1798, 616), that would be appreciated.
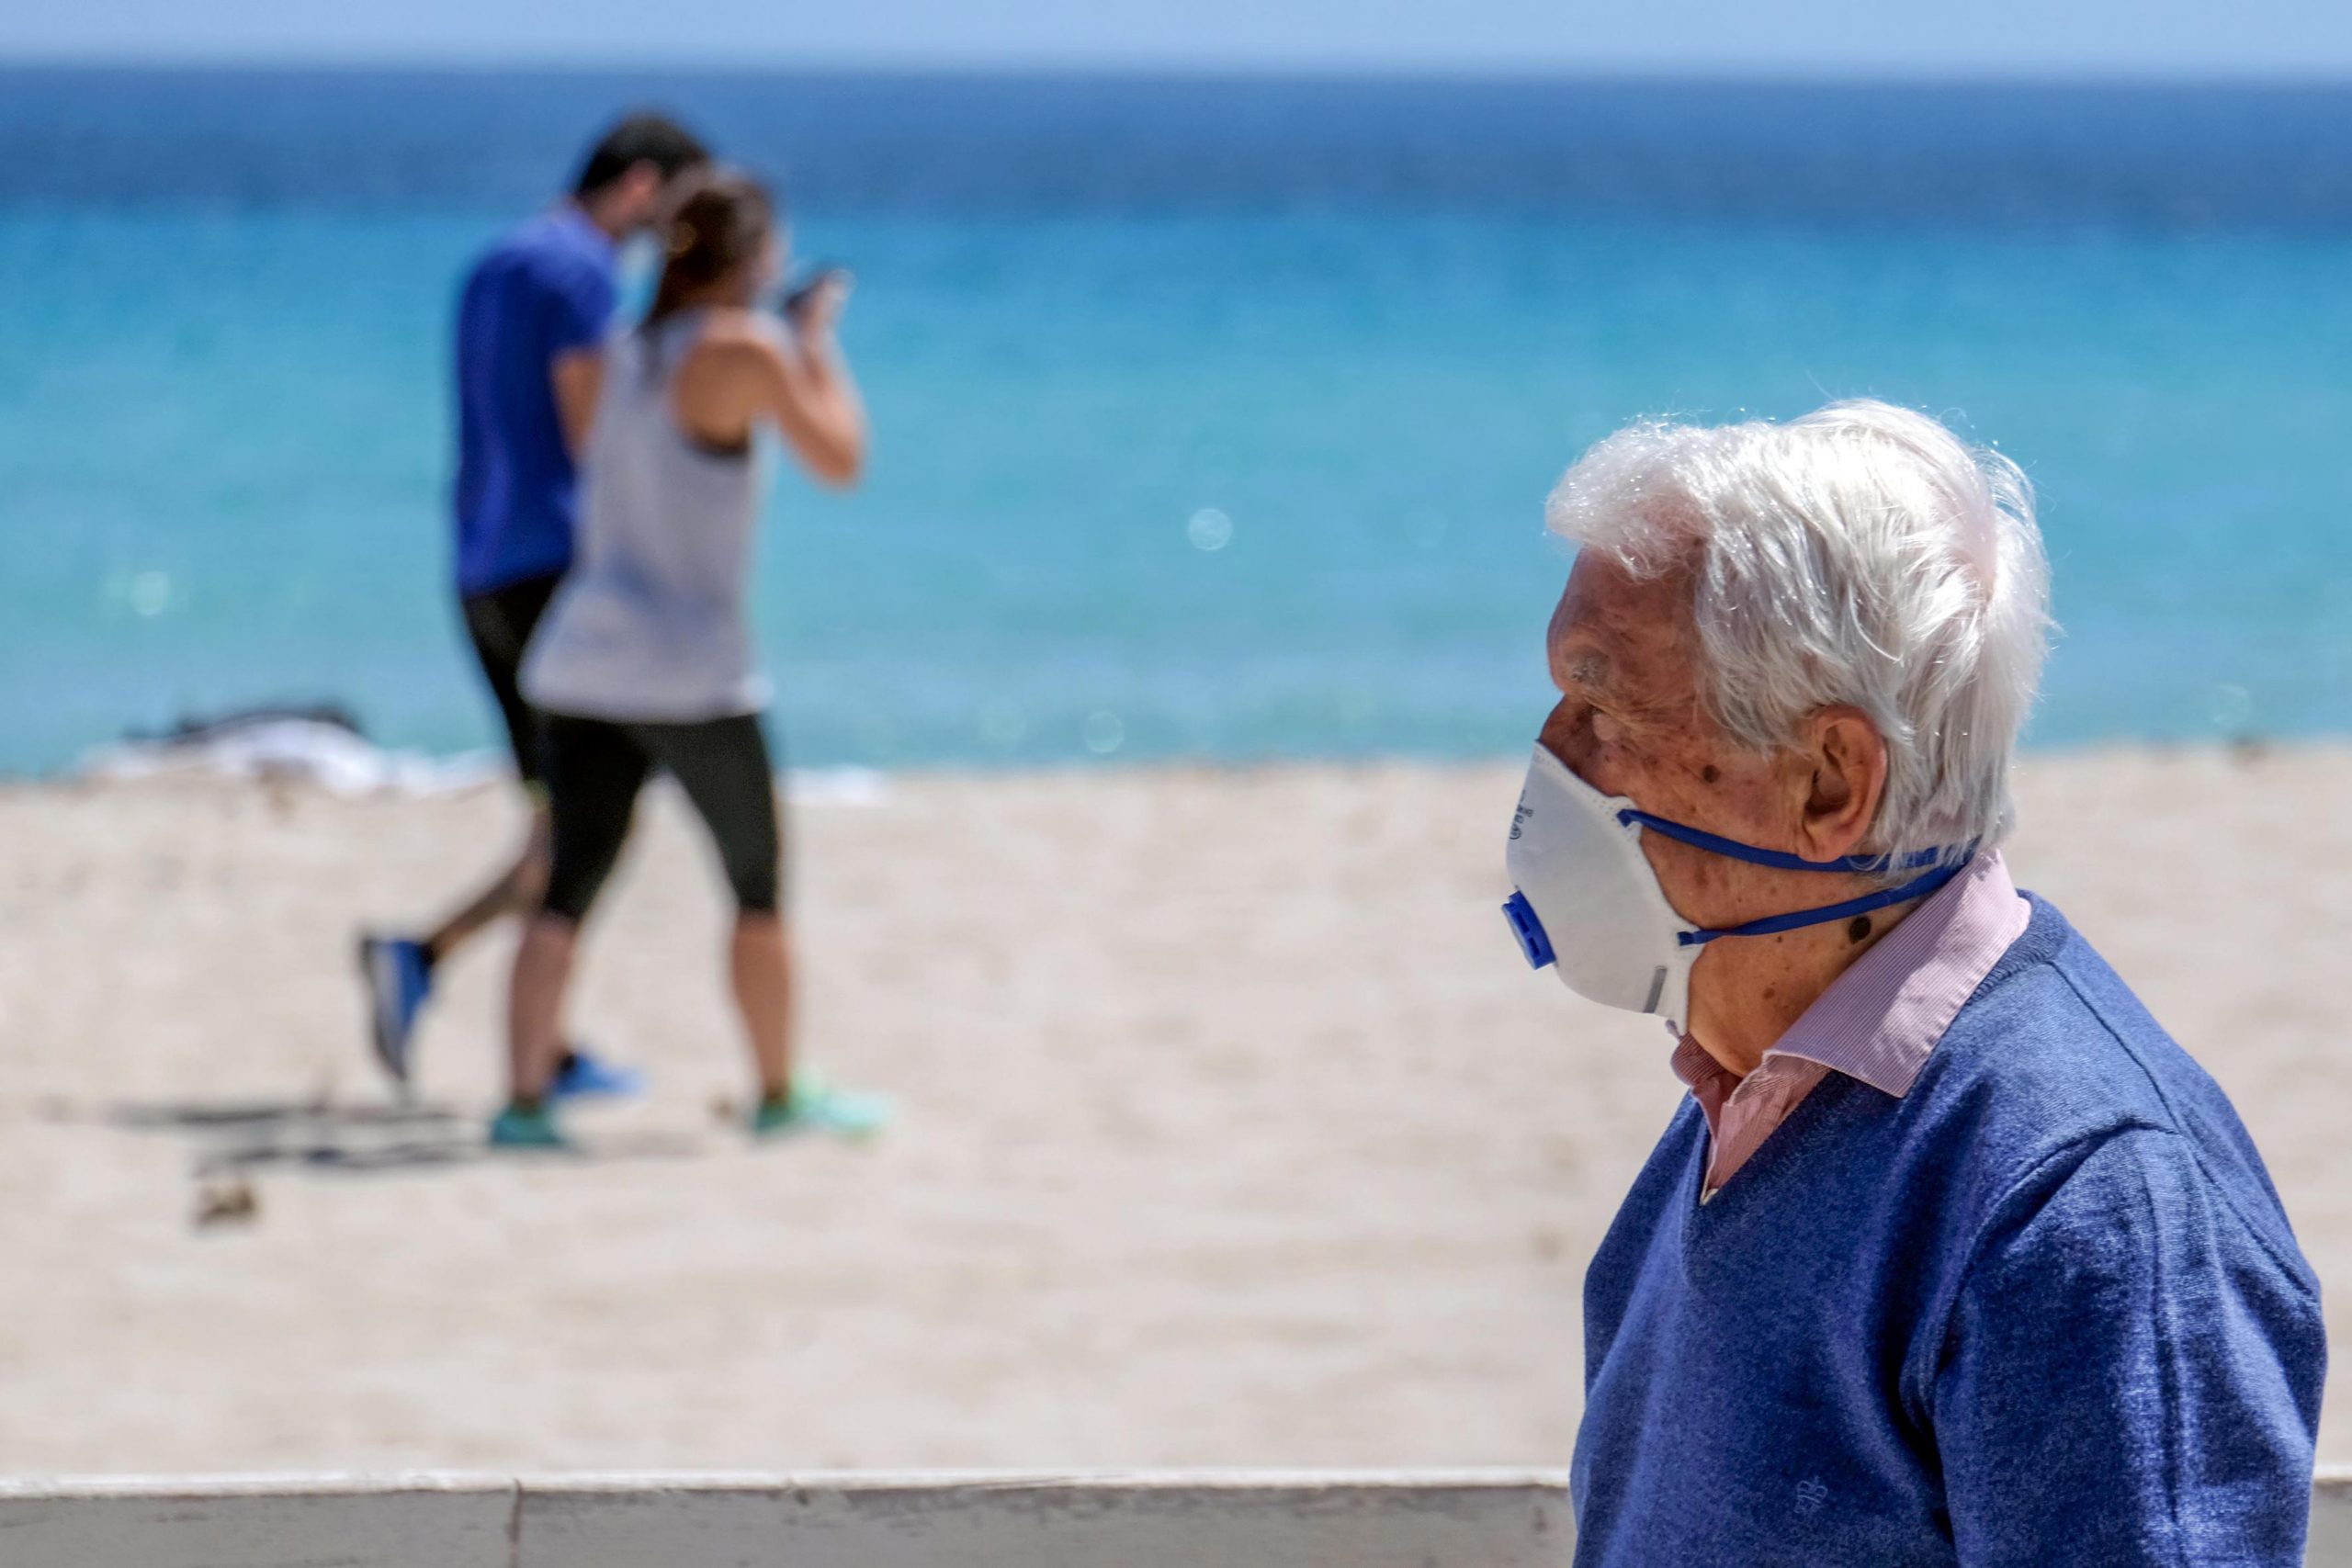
point(2045, 1309)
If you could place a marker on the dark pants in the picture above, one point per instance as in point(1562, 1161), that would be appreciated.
point(595, 769)
point(500, 622)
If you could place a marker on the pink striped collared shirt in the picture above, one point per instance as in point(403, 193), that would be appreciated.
point(1876, 1022)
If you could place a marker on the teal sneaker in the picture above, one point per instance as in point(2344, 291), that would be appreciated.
point(815, 1106)
point(522, 1127)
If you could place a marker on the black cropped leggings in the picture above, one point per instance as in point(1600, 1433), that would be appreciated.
point(595, 769)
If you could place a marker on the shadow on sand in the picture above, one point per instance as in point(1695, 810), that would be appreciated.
point(333, 1138)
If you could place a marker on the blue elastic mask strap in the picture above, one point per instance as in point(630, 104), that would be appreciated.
point(1798, 920)
point(1867, 864)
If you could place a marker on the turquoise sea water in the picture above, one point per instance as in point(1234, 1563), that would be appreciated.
point(223, 427)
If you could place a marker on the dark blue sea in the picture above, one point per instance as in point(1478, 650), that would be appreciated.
point(1213, 417)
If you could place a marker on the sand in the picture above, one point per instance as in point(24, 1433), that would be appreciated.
point(1233, 1130)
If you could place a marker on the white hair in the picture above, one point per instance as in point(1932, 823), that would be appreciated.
point(1862, 555)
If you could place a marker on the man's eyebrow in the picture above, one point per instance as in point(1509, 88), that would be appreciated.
point(1589, 670)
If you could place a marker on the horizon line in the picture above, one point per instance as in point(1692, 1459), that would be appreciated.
point(1111, 68)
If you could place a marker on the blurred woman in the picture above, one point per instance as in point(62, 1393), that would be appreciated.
point(646, 660)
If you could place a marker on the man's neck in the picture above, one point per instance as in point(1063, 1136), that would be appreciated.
point(1746, 992)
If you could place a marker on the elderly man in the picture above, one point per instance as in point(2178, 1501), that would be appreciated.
point(1951, 1256)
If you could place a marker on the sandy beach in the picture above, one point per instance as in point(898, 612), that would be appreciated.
point(1233, 1130)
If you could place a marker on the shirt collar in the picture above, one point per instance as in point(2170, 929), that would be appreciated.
point(1700, 1073)
point(1879, 1020)
point(568, 215)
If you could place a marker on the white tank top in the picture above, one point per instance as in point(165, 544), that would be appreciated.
point(649, 625)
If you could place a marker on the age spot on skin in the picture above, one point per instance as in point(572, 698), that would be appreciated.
point(1710, 773)
point(1859, 929)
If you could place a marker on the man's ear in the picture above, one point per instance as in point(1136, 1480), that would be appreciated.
point(1846, 757)
point(644, 186)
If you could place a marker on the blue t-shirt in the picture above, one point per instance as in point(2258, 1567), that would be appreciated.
point(545, 289)
point(2044, 1309)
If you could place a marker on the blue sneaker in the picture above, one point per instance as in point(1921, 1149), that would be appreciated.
point(399, 978)
point(518, 1127)
point(582, 1076)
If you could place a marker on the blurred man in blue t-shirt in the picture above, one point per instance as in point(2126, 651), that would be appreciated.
point(531, 326)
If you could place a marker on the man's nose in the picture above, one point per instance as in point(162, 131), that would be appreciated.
point(1559, 731)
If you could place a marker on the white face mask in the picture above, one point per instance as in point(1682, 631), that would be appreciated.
point(1588, 902)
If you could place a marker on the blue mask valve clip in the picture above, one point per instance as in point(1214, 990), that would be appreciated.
point(1529, 930)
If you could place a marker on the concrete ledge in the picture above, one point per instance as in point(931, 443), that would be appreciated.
point(1517, 1519)
point(1160, 1519)
point(2331, 1537)
point(1047, 1521)
point(259, 1521)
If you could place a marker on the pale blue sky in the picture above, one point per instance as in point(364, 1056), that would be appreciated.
point(2174, 38)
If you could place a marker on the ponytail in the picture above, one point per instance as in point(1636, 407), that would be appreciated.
point(719, 224)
